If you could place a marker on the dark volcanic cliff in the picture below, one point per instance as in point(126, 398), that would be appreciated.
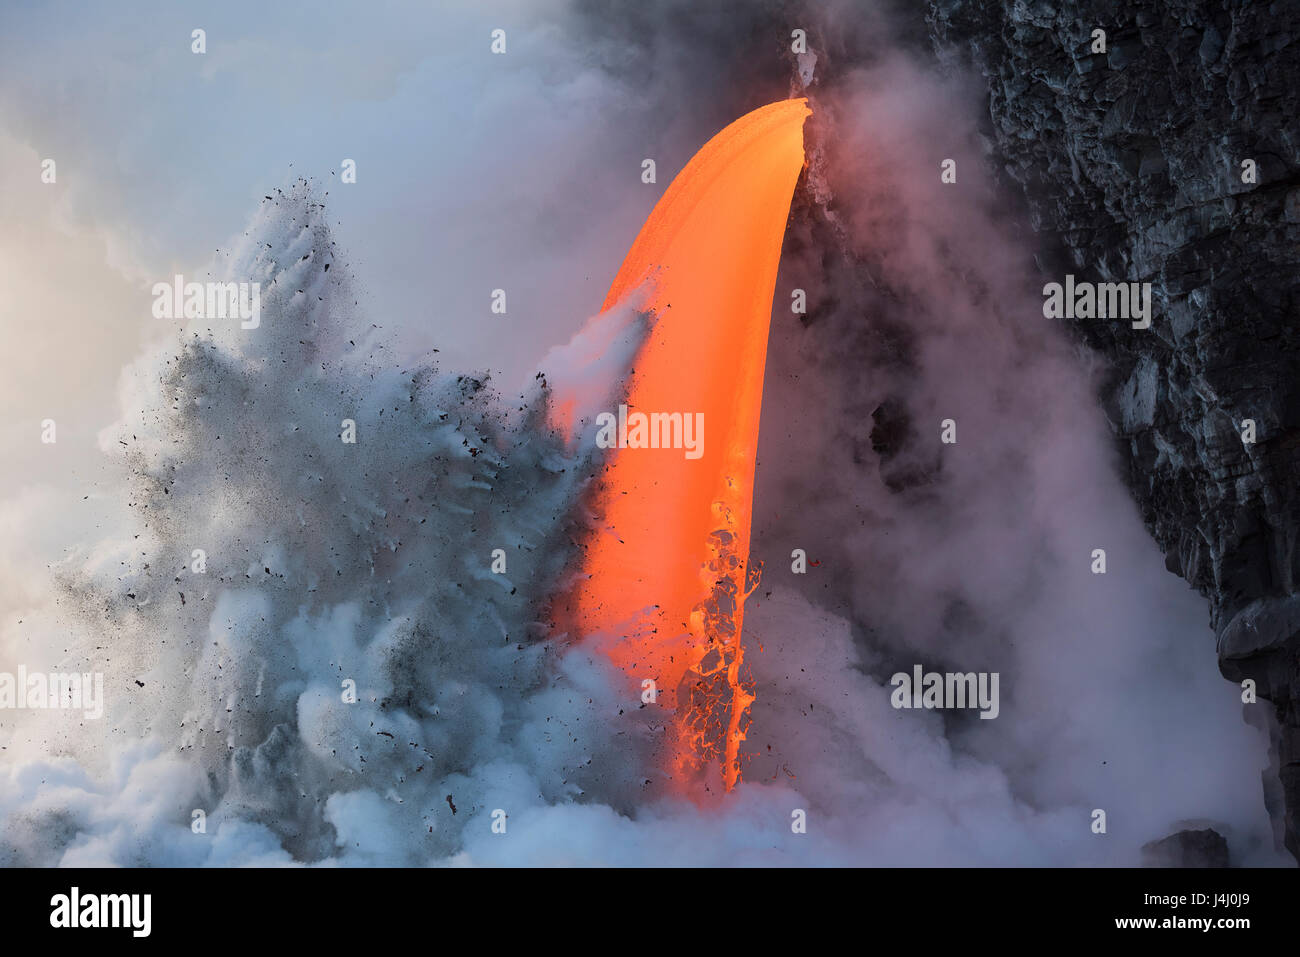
point(1131, 162)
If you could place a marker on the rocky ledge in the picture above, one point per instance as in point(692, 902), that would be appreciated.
point(1169, 153)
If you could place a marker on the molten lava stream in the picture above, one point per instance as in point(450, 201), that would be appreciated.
point(665, 568)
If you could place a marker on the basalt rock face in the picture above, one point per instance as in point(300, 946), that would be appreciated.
point(1131, 161)
point(1187, 848)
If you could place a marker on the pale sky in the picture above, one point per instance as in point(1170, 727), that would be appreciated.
point(474, 171)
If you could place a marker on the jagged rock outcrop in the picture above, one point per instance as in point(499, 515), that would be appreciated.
point(1132, 161)
point(1204, 847)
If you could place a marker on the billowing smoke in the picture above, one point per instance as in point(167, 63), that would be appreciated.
point(266, 570)
point(980, 555)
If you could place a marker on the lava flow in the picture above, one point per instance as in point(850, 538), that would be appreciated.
point(666, 569)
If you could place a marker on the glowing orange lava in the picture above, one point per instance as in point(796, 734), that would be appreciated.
point(667, 564)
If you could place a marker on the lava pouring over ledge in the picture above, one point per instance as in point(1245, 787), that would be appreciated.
point(665, 568)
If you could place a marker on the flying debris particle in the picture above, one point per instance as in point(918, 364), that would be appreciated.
point(451, 805)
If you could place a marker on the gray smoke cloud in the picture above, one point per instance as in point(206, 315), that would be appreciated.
point(327, 562)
